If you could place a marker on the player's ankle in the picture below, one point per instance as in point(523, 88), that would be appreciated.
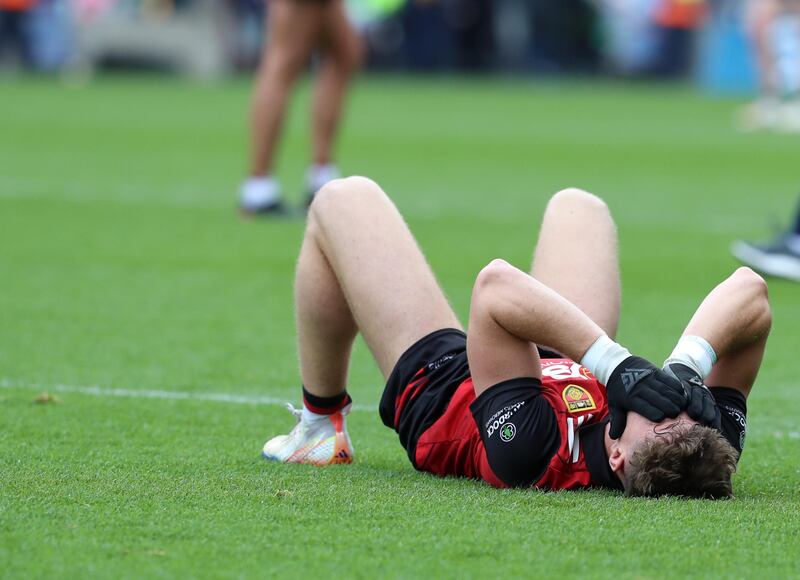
point(316, 407)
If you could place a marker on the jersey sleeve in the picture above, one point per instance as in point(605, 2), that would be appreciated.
point(733, 412)
point(519, 430)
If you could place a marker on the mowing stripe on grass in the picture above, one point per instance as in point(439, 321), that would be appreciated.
point(232, 398)
point(157, 394)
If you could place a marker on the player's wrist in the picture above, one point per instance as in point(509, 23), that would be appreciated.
point(603, 358)
point(694, 352)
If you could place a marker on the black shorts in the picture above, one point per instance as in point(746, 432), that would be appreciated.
point(733, 412)
point(422, 383)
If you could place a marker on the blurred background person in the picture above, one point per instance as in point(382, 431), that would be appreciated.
point(35, 34)
point(295, 30)
point(780, 257)
point(651, 38)
point(15, 30)
point(774, 30)
point(675, 25)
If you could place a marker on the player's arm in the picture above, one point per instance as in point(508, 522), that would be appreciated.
point(512, 311)
point(734, 320)
point(723, 345)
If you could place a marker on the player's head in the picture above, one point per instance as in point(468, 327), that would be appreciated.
point(674, 457)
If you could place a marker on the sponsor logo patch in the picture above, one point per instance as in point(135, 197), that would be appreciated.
point(499, 419)
point(507, 432)
point(440, 361)
point(577, 399)
point(740, 419)
point(564, 370)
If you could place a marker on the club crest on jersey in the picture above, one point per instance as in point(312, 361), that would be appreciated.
point(577, 399)
point(507, 432)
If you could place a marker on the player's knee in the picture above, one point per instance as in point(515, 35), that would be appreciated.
point(572, 197)
point(345, 191)
point(284, 66)
point(348, 59)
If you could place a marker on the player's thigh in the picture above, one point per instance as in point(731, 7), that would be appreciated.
point(293, 28)
point(339, 40)
point(577, 256)
point(759, 14)
point(388, 284)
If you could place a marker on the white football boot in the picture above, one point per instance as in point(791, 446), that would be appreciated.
point(321, 441)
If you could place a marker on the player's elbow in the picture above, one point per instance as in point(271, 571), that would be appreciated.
point(339, 195)
point(573, 198)
point(751, 281)
point(754, 287)
point(494, 274)
point(489, 283)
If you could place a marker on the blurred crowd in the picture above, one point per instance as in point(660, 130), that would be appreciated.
point(632, 37)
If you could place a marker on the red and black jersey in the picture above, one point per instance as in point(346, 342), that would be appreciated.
point(525, 432)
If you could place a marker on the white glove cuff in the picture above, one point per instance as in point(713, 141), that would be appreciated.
point(696, 353)
point(603, 357)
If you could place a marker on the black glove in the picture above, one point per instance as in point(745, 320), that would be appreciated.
point(701, 405)
point(639, 386)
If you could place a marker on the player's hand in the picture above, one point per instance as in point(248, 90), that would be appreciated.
point(701, 404)
point(638, 385)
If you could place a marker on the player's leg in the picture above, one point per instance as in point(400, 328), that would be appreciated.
point(356, 236)
point(293, 27)
point(760, 17)
point(576, 255)
point(342, 52)
point(359, 269)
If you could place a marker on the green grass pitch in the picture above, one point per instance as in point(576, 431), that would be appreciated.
point(123, 266)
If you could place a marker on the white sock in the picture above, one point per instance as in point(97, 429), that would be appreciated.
point(320, 174)
point(260, 191)
point(311, 416)
point(603, 357)
point(696, 353)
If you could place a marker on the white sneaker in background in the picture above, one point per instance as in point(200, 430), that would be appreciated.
point(261, 195)
point(780, 258)
point(788, 120)
point(317, 176)
point(760, 115)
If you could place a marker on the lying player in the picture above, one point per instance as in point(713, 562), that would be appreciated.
point(490, 404)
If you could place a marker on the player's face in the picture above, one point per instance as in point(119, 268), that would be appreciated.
point(638, 429)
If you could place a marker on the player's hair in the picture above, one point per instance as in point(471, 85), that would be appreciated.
point(695, 462)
